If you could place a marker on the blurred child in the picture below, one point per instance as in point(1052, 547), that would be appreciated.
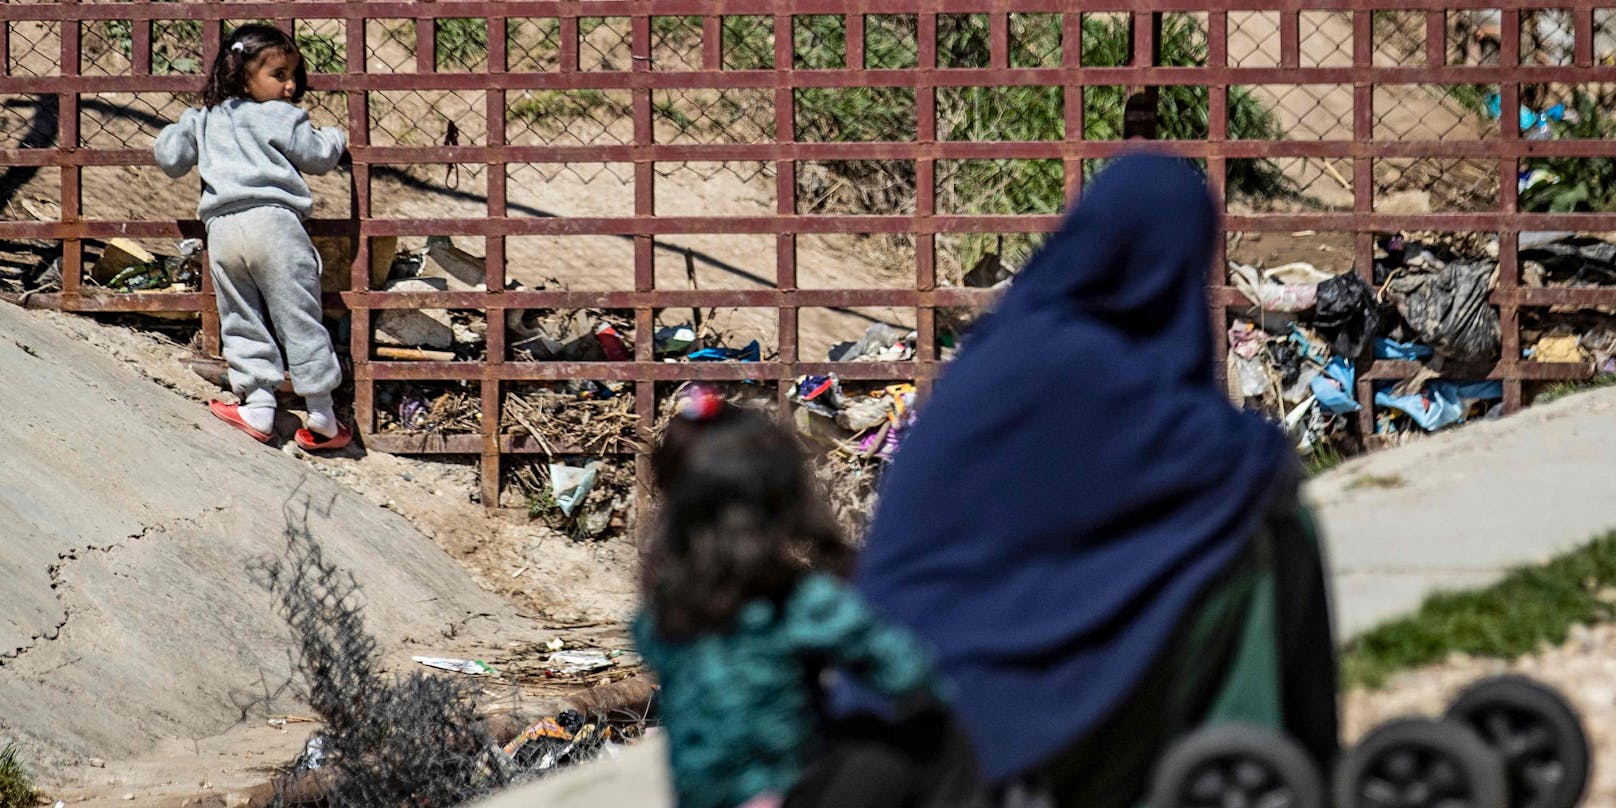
point(744, 609)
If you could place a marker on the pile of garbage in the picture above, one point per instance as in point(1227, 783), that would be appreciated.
point(429, 408)
point(595, 416)
point(1297, 355)
point(585, 497)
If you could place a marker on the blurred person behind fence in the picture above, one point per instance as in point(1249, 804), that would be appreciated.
point(1103, 551)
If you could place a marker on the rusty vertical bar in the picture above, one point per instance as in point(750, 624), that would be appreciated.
point(494, 260)
point(1072, 99)
point(140, 45)
point(568, 31)
point(1509, 92)
point(356, 62)
point(1363, 180)
point(854, 40)
point(1217, 170)
point(644, 269)
point(712, 42)
point(999, 40)
point(926, 196)
point(1582, 27)
point(67, 142)
point(212, 36)
point(5, 48)
point(1144, 25)
point(1217, 57)
point(426, 42)
point(785, 193)
point(1436, 38)
point(1290, 37)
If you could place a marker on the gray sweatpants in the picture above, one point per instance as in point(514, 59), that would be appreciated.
point(266, 273)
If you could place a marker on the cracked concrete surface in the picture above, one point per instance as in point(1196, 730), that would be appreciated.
point(129, 516)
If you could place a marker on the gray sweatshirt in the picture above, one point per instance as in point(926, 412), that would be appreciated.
point(250, 154)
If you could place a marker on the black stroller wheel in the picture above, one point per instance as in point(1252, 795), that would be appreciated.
point(1421, 763)
point(1537, 733)
point(1236, 764)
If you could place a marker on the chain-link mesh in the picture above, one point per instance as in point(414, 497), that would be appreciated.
point(35, 48)
point(428, 118)
point(890, 41)
point(386, 741)
point(390, 46)
point(1433, 112)
point(962, 40)
point(1302, 112)
point(532, 44)
point(1325, 38)
point(1474, 37)
point(605, 43)
point(569, 117)
point(1431, 183)
point(748, 43)
point(713, 116)
point(819, 41)
point(1547, 37)
point(676, 43)
point(1036, 40)
point(1399, 38)
point(127, 120)
point(462, 44)
point(1253, 38)
point(324, 45)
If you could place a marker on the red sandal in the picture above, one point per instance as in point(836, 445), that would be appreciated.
point(308, 441)
point(231, 414)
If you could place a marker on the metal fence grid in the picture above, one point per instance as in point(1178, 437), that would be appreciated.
point(489, 92)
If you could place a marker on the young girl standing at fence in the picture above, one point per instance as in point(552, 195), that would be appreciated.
point(251, 144)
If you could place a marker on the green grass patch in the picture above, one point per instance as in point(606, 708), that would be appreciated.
point(1323, 459)
point(1529, 607)
point(1559, 390)
point(16, 787)
point(1376, 481)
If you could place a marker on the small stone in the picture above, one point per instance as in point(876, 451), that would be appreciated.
point(292, 449)
point(128, 797)
point(96, 763)
point(408, 477)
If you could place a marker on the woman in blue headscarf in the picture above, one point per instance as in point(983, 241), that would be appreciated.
point(1103, 551)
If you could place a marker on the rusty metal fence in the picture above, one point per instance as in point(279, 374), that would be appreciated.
point(939, 130)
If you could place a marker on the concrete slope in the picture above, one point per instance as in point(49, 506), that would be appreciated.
point(128, 518)
point(1463, 507)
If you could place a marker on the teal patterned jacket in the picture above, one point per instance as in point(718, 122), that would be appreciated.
point(741, 709)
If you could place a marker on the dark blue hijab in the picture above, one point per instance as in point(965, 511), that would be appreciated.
point(1077, 477)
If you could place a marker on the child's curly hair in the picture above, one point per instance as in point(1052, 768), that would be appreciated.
point(228, 78)
point(741, 519)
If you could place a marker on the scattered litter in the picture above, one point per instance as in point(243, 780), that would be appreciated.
point(573, 663)
point(570, 484)
point(314, 753)
point(470, 667)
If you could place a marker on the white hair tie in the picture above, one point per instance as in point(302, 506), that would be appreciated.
point(239, 47)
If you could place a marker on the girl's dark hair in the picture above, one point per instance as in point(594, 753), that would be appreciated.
point(228, 78)
point(740, 520)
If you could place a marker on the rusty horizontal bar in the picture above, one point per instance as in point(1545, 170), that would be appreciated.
point(947, 150)
point(667, 298)
point(471, 443)
point(1525, 371)
point(360, 9)
point(838, 78)
point(634, 371)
